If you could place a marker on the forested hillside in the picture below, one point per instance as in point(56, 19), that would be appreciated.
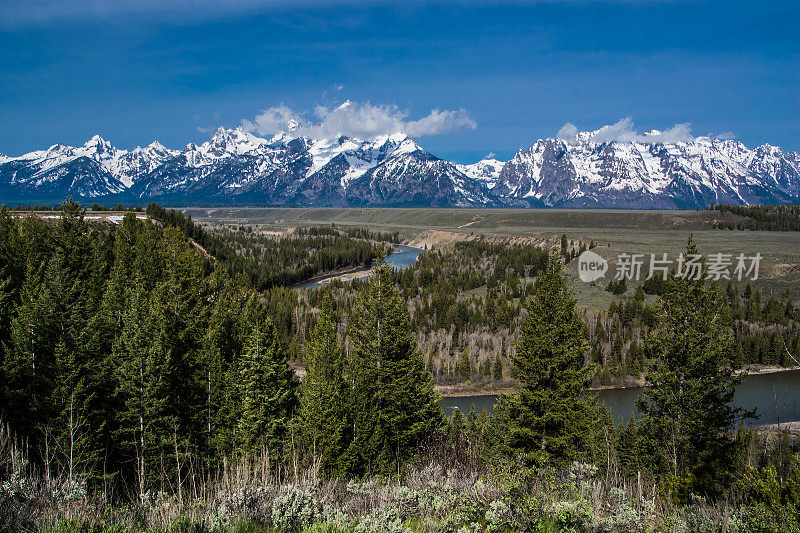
point(467, 302)
point(265, 261)
point(146, 386)
point(123, 344)
point(766, 330)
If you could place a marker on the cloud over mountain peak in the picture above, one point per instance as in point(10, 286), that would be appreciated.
point(624, 131)
point(354, 119)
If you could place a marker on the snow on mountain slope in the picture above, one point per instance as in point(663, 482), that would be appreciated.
point(237, 167)
point(416, 178)
point(360, 156)
point(486, 170)
point(693, 174)
point(94, 169)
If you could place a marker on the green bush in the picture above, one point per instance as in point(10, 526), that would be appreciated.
point(381, 521)
point(498, 516)
point(295, 509)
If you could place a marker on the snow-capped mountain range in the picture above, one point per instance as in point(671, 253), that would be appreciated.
point(393, 170)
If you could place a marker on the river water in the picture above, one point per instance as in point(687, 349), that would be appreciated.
point(401, 258)
point(775, 395)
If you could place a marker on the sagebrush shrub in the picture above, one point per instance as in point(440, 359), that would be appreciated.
point(294, 509)
point(381, 521)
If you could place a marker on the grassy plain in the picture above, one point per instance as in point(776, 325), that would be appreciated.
point(615, 232)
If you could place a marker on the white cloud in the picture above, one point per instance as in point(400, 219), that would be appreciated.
point(624, 131)
point(568, 132)
point(355, 120)
point(361, 120)
point(724, 136)
point(272, 120)
point(440, 122)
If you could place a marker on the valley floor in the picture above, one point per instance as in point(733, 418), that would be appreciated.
point(614, 231)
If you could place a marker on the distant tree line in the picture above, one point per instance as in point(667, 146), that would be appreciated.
point(766, 330)
point(265, 261)
point(760, 217)
point(119, 207)
point(57, 207)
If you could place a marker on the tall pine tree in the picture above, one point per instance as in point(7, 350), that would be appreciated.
point(144, 367)
point(686, 407)
point(394, 406)
point(548, 418)
point(266, 391)
point(11, 277)
point(324, 411)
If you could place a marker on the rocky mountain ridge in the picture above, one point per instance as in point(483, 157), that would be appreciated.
point(236, 167)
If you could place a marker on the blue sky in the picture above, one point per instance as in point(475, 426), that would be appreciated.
point(512, 71)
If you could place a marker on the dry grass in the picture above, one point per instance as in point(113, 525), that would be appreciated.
point(445, 491)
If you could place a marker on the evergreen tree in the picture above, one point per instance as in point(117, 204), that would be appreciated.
point(182, 299)
point(393, 403)
point(30, 366)
point(143, 362)
point(464, 365)
point(498, 368)
point(687, 404)
point(11, 277)
point(222, 347)
point(324, 414)
point(122, 345)
point(74, 276)
point(266, 391)
point(548, 417)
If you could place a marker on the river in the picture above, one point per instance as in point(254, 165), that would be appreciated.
point(776, 396)
point(401, 258)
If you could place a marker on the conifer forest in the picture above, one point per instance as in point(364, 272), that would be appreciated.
point(161, 374)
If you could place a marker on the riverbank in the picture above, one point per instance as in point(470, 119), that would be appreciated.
point(793, 428)
point(343, 274)
point(432, 238)
point(468, 389)
point(753, 370)
point(400, 257)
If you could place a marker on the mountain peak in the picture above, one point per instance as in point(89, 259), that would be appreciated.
point(97, 141)
point(155, 145)
point(221, 135)
point(99, 146)
point(402, 140)
point(605, 168)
